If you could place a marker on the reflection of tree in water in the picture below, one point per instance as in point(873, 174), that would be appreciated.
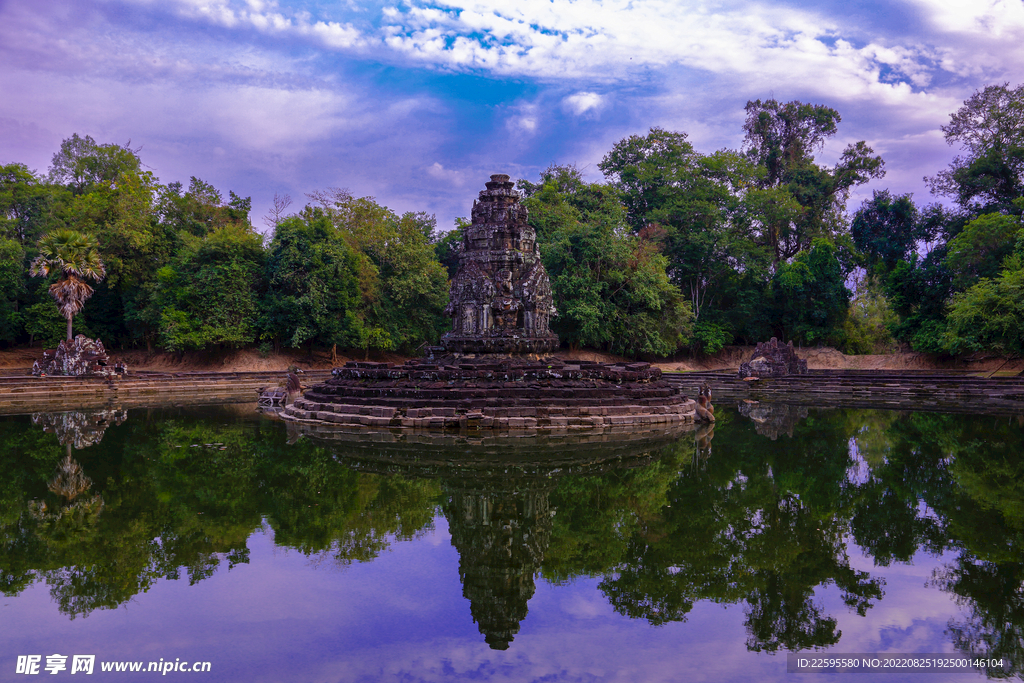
point(773, 419)
point(495, 496)
point(69, 481)
point(993, 595)
point(968, 471)
point(180, 495)
point(76, 429)
point(795, 552)
point(501, 532)
point(761, 523)
point(981, 506)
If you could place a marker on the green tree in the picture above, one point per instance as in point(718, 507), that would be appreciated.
point(781, 137)
point(989, 315)
point(448, 247)
point(81, 163)
point(43, 322)
point(110, 195)
point(646, 168)
point(313, 287)
point(886, 230)
point(12, 286)
point(869, 323)
point(810, 298)
point(918, 290)
point(402, 285)
point(73, 258)
point(208, 295)
point(990, 129)
point(610, 287)
point(703, 211)
point(980, 249)
point(28, 205)
point(200, 209)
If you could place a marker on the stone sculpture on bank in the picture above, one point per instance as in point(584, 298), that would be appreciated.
point(773, 359)
point(78, 357)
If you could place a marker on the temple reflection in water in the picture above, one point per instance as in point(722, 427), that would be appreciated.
point(496, 498)
point(501, 535)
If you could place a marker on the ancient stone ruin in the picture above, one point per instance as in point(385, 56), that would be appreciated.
point(77, 357)
point(488, 373)
point(500, 299)
point(773, 359)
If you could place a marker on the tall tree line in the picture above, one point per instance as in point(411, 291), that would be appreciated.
point(186, 270)
point(675, 250)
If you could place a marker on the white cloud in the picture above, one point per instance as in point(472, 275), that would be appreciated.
point(997, 18)
point(523, 119)
point(619, 40)
point(527, 124)
point(582, 102)
point(438, 172)
point(268, 86)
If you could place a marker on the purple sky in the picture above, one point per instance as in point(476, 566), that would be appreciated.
point(417, 102)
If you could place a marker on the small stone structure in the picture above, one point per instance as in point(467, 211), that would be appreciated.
point(773, 419)
point(489, 372)
point(78, 357)
point(773, 359)
point(500, 300)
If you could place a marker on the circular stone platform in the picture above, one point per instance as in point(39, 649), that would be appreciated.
point(459, 393)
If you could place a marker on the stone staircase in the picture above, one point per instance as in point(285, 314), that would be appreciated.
point(959, 392)
point(27, 394)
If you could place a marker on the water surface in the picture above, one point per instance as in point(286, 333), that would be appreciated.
point(221, 536)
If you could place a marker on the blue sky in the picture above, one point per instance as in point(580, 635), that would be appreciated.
point(417, 102)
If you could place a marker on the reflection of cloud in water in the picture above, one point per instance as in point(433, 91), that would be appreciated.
point(911, 617)
point(859, 471)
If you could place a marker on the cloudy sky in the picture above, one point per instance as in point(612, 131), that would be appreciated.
point(417, 102)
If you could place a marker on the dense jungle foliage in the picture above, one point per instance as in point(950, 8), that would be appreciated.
point(676, 251)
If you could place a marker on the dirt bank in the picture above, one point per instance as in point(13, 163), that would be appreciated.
point(14, 360)
point(212, 361)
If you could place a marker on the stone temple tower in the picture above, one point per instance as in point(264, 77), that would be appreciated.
point(500, 300)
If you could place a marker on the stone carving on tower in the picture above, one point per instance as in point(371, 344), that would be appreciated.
point(500, 299)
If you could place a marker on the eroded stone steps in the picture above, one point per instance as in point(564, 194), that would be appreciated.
point(918, 391)
point(540, 418)
point(52, 394)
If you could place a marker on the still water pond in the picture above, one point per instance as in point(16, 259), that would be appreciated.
point(219, 536)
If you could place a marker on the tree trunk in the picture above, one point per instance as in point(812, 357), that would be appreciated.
point(69, 328)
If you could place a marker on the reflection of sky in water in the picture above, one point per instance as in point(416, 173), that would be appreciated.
point(774, 510)
point(402, 617)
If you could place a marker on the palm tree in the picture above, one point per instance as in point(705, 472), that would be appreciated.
point(74, 257)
